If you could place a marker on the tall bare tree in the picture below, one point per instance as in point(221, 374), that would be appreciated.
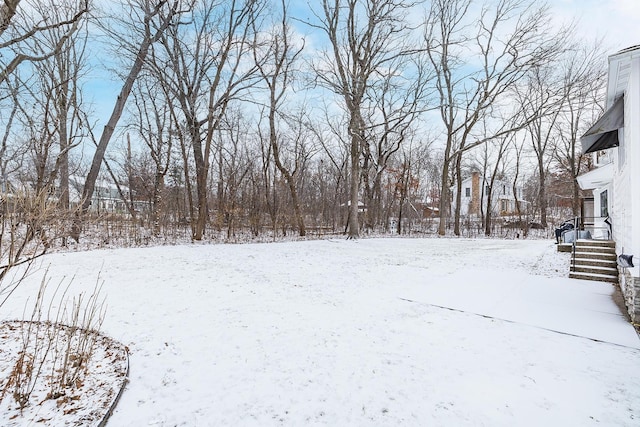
point(333, 168)
point(155, 126)
point(61, 78)
point(583, 76)
point(500, 147)
point(276, 67)
point(205, 70)
point(518, 150)
point(478, 60)
point(237, 161)
point(543, 98)
point(366, 38)
point(396, 101)
point(155, 17)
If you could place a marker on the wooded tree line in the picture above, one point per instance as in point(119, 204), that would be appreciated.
point(274, 116)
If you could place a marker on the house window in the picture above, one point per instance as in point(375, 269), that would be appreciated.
point(486, 190)
point(604, 201)
point(467, 192)
point(603, 157)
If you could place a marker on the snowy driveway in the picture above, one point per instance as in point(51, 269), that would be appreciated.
point(376, 332)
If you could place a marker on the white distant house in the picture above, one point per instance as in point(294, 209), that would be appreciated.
point(475, 190)
point(106, 197)
point(614, 141)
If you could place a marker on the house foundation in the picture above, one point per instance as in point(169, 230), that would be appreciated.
point(630, 287)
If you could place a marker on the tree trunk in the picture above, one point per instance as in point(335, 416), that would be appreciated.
point(456, 225)
point(542, 193)
point(200, 222)
point(488, 216)
point(130, 179)
point(354, 223)
point(273, 137)
point(444, 197)
point(8, 9)
point(158, 189)
point(63, 134)
point(355, 129)
point(187, 184)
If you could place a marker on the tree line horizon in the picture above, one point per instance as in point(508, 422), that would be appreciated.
point(253, 114)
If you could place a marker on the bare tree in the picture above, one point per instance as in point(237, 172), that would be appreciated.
point(329, 133)
point(407, 179)
point(583, 76)
point(205, 70)
point(21, 27)
point(276, 69)
point(544, 96)
point(45, 44)
point(155, 127)
point(11, 153)
point(57, 114)
point(507, 40)
point(155, 18)
point(366, 38)
point(236, 164)
point(500, 146)
point(518, 150)
point(396, 101)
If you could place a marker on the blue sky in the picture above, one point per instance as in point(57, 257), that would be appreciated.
point(617, 21)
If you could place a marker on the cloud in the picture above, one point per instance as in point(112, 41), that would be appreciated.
point(614, 20)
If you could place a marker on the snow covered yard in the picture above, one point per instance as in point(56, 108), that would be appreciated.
point(436, 332)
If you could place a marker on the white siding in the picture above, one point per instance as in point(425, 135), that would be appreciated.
point(626, 183)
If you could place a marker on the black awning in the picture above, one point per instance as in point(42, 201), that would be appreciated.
point(604, 133)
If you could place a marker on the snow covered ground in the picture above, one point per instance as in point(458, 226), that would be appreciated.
point(412, 332)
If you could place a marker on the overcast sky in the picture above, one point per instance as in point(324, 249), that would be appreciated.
point(618, 21)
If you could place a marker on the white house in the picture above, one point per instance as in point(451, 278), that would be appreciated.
point(106, 197)
point(474, 194)
point(614, 141)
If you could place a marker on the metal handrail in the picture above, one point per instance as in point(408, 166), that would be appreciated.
point(579, 225)
point(576, 223)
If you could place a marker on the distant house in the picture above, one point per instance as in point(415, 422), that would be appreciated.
point(427, 210)
point(614, 141)
point(474, 197)
point(106, 197)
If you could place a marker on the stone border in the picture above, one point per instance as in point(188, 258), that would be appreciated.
point(109, 412)
point(630, 287)
point(112, 406)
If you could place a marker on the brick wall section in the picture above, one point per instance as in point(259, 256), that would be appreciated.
point(630, 287)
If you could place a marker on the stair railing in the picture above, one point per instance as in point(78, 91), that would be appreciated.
point(576, 230)
point(600, 231)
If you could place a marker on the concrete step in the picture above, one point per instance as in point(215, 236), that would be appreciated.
point(605, 271)
point(595, 277)
point(599, 249)
point(598, 243)
point(594, 262)
point(596, 255)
